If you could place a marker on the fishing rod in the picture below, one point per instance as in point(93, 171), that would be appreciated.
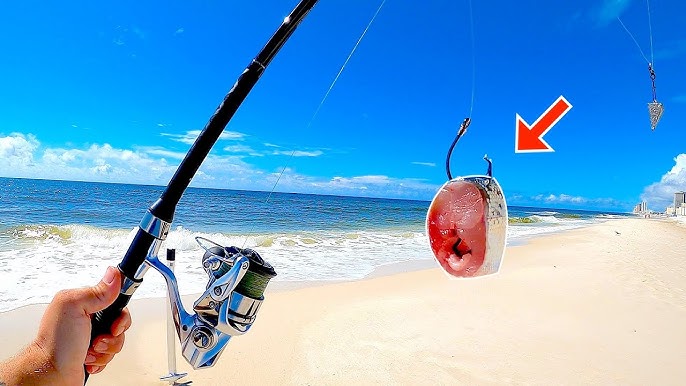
point(237, 277)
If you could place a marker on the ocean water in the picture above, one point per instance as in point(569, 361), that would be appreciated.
point(62, 234)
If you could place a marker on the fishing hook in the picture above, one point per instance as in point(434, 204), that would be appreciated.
point(490, 165)
point(463, 129)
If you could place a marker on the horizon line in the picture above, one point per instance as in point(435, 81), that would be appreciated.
point(614, 211)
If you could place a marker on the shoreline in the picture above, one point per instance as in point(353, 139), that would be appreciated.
point(388, 269)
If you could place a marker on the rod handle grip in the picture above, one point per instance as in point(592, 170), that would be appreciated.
point(101, 321)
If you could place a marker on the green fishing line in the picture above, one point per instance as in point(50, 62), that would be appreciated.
point(253, 285)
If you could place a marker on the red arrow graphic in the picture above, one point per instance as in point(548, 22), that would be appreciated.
point(530, 139)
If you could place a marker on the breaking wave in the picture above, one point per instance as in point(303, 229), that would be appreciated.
point(46, 258)
point(38, 260)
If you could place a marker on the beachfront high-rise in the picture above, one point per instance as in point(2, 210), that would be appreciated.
point(679, 198)
point(641, 208)
point(679, 207)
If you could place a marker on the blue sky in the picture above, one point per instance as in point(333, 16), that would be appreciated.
point(118, 91)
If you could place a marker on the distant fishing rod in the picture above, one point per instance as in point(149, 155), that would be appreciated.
point(237, 277)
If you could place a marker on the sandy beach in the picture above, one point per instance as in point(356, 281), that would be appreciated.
point(605, 304)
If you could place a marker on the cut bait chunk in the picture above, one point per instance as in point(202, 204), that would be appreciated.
point(467, 224)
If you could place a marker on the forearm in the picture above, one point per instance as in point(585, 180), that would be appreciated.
point(28, 367)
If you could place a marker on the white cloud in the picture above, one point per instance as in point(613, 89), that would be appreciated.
point(102, 169)
point(163, 152)
point(230, 135)
point(609, 10)
point(23, 156)
point(565, 199)
point(190, 136)
point(560, 198)
point(179, 31)
point(370, 186)
point(101, 163)
point(298, 153)
point(660, 195)
point(362, 180)
point(424, 163)
point(242, 149)
point(16, 150)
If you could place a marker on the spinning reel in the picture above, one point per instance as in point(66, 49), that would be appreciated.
point(234, 293)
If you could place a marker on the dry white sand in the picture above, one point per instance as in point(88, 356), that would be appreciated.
point(587, 306)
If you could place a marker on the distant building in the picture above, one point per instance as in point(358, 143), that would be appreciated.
point(679, 198)
point(641, 208)
point(679, 207)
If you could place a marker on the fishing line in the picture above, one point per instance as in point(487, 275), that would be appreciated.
point(465, 123)
point(634, 39)
point(650, 28)
point(471, 27)
point(320, 106)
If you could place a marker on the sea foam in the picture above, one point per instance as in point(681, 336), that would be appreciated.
point(38, 260)
point(43, 259)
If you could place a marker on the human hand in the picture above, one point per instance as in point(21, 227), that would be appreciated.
point(62, 345)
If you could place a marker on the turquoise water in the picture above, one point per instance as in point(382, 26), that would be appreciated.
point(61, 234)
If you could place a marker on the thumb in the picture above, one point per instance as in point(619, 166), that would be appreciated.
point(101, 295)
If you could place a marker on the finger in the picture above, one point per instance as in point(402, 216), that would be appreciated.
point(108, 344)
point(97, 359)
point(98, 297)
point(122, 323)
point(99, 369)
point(93, 369)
